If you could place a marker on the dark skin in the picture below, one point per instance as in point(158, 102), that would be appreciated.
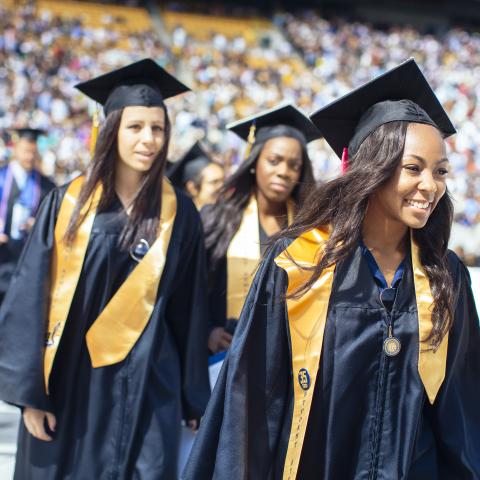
point(277, 172)
point(407, 199)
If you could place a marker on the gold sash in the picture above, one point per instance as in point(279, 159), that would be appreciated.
point(114, 333)
point(307, 317)
point(243, 257)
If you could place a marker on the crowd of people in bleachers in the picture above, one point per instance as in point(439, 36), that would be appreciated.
point(43, 57)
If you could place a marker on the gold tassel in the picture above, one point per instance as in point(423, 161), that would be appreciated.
point(250, 140)
point(94, 132)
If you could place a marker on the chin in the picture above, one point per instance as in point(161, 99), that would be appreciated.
point(416, 224)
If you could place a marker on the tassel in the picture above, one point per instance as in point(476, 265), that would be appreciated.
point(344, 161)
point(94, 132)
point(250, 140)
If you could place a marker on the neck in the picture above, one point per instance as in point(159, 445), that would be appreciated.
point(383, 235)
point(127, 183)
point(266, 208)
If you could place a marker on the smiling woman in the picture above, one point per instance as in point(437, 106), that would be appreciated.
point(357, 351)
point(113, 331)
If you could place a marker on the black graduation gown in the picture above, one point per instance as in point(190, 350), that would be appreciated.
point(121, 421)
point(370, 418)
point(10, 252)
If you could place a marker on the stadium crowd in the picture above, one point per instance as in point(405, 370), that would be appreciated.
point(304, 59)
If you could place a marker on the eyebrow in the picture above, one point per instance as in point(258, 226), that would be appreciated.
point(423, 161)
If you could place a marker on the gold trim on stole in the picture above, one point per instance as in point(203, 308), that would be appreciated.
point(432, 364)
point(243, 257)
point(116, 330)
point(125, 317)
point(307, 318)
point(67, 262)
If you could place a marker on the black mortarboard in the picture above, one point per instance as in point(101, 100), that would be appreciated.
point(189, 166)
point(264, 122)
point(142, 83)
point(401, 94)
point(31, 134)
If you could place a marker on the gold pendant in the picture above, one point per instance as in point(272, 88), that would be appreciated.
point(392, 346)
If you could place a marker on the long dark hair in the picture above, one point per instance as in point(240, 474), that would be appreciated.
point(342, 204)
point(144, 217)
point(222, 219)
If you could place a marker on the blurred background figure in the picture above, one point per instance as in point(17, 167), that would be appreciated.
point(198, 175)
point(22, 188)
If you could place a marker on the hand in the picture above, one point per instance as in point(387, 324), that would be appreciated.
point(193, 424)
point(3, 238)
point(27, 226)
point(219, 340)
point(35, 423)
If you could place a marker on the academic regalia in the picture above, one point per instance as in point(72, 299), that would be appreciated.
point(18, 202)
point(189, 167)
point(120, 421)
point(332, 384)
point(126, 360)
point(232, 275)
point(370, 416)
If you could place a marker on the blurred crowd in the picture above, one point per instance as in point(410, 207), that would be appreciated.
point(300, 58)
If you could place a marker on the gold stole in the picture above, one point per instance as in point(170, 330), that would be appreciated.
point(307, 318)
point(118, 327)
point(243, 257)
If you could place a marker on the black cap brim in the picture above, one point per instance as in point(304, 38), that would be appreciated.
point(29, 133)
point(285, 114)
point(145, 72)
point(338, 121)
point(176, 170)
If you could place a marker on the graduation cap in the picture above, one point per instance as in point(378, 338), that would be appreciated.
point(401, 94)
point(143, 84)
point(189, 166)
point(31, 134)
point(260, 127)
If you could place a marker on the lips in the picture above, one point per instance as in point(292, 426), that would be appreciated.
point(145, 155)
point(279, 187)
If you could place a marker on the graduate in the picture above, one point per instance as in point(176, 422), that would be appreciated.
point(22, 188)
point(103, 331)
point(257, 201)
point(357, 354)
point(197, 174)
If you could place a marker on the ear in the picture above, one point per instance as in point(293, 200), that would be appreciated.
point(191, 188)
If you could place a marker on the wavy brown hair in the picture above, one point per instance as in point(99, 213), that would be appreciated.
point(144, 217)
point(342, 204)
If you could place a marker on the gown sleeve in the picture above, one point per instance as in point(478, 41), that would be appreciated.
point(187, 317)
point(455, 415)
point(24, 315)
point(241, 432)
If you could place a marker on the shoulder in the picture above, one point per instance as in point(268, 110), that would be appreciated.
point(457, 268)
point(46, 182)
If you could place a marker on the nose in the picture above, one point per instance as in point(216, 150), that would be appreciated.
point(147, 135)
point(283, 170)
point(428, 185)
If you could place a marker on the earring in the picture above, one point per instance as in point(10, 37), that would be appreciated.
point(252, 171)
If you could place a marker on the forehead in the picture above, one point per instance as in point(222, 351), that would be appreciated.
point(151, 114)
point(213, 169)
point(424, 141)
point(283, 146)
